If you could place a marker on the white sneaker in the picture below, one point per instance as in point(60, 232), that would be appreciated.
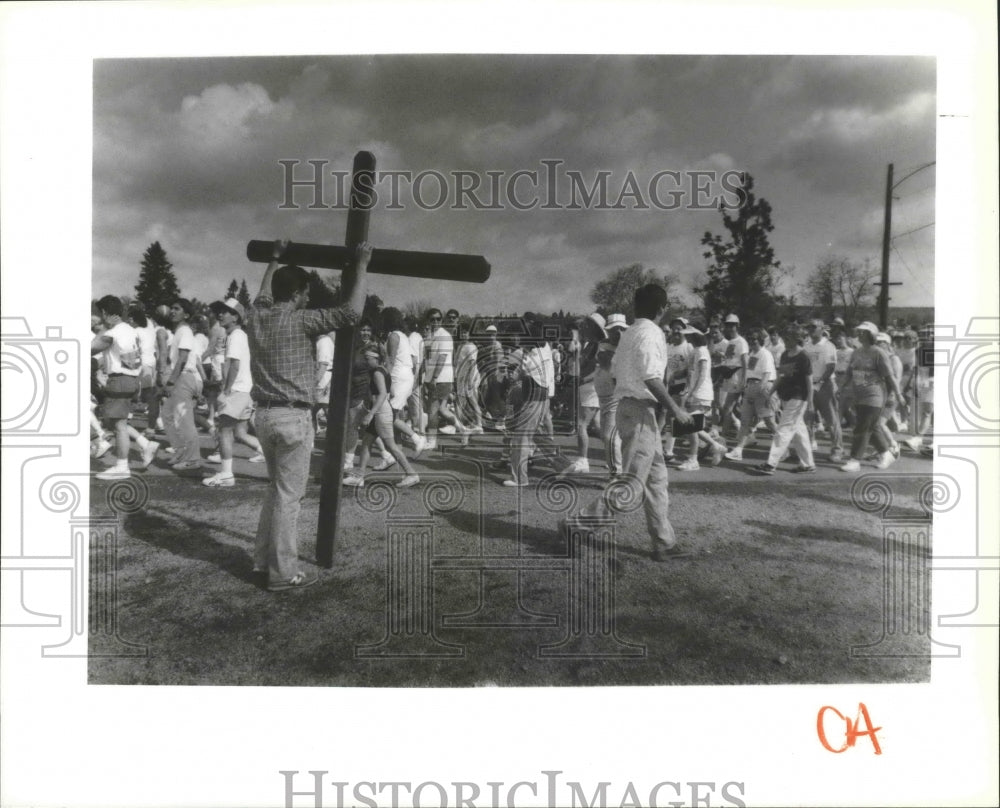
point(220, 480)
point(149, 454)
point(407, 481)
point(257, 458)
point(579, 466)
point(691, 464)
point(114, 473)
point(419, 444)
point(914, 443)
point(476, 430)
point(885, 460)
point(734, 454)
point(354, 481)
point(851, 465)
point(214, 458)
point(447, 429)
point(102, 447)
point(385, 463)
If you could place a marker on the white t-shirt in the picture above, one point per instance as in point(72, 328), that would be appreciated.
point(147, 345)
point(402, 363)
point(760, 365)
point(184, 341)
point(238, 347)
point(702, 389)
point(417, 347)
point(324, 355)
point(820, 355)
point(548, 365)
point(124, 340)
point(775, 349)
point(201, 348)
point(641, 355)
point(678, 362)
point(735, 349)
point(441, 353)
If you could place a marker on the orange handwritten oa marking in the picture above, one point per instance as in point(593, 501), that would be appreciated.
point(852, 729)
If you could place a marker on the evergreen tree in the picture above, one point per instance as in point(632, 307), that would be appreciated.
point(243, 296)
point(233, 290)
point(743, 272)
point(157, 283)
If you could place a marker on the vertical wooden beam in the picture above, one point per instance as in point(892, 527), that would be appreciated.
point(362, 182)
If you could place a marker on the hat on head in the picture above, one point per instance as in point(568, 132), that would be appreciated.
point(871, 328)
point(881, 336)
point(230, 304)
point(690, 329)
point(491, 329)
point(616, 321)
point(732, 319)
point(837, 321)
point(682, 320)
point(598, 320)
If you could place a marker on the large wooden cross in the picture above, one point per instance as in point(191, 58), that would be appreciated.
point(439, 266)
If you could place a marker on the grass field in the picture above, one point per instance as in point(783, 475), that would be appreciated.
point(786, 574)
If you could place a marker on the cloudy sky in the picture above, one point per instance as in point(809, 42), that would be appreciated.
point(187, 151)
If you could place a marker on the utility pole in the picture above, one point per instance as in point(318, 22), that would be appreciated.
point(883, 295)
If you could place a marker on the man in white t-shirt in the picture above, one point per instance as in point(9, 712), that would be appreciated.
point(638, 367)
point(415, 403)
point(325, 344)
point(758, 404)
point(439, 375)
point(823, 357)
point(122, 361)
point(735, 362)
point(183, 390)
point(234, 403)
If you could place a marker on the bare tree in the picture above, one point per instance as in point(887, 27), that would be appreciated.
point(842, 287)
point(616, 292)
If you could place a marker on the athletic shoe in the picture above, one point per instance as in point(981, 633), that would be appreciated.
point(691, 464)
point(514, 484)
point(102, 448)
point(665, 554)
point(447, 429)
point(407, 481)
point(419, 444)
point(476, 430)
point(579, 466)
point(803, 470)
point(114, 473)
point(764, 468)
point(894, 450)
point(851, 465)
point(385, 463)
point(187, 465)
point(149, 454)
point(299, 581)
point(885, 460)
point(914, 444)
point(734, 454)
point(257, 458)
point(219, 481)
point(837, 456)
point(354, 481)
point(170, 450)
point(214, 458)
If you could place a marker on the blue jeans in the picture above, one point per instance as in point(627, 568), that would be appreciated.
point(286, 439)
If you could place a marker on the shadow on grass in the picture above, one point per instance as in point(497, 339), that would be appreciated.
point(159, 527)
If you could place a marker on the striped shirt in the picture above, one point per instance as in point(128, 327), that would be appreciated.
point(283, 347)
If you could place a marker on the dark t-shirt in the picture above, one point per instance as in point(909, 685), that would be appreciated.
point(794, 372)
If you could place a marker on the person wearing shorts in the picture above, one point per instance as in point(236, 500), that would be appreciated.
point(377, 421)
point(588, 405)
point(439, 377)
point(735, 362)
point(757, 392)
point(697, 399)
point(119, 345)
point(235, 407)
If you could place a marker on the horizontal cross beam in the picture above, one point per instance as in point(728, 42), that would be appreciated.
point(405, 263)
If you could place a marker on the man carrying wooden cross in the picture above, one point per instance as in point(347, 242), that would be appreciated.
point(281, 332)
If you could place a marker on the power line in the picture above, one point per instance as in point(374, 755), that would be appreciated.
point(914, 230)
point(912, 273)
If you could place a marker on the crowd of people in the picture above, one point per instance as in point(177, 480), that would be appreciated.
point(659, 391)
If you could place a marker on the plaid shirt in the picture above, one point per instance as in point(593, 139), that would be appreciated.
point(283, 347)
